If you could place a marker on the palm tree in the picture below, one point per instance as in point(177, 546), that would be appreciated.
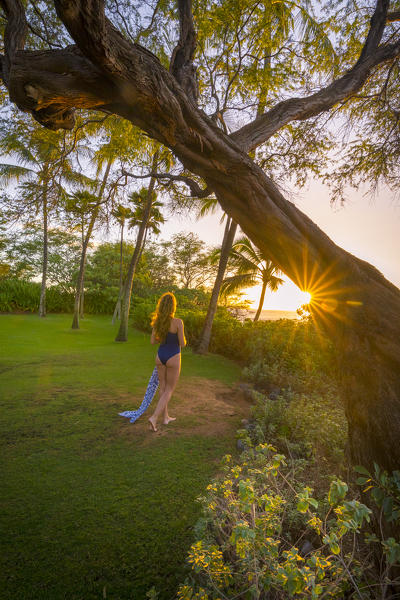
point(252, 268)
point(155, 218)
point(41, 168)
point(121, 214)
point(209, 205)
point(84, 207)
point(121, 140)
point(145, 199)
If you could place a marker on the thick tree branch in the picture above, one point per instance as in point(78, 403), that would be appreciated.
point(181, 66)
point(15, 33)
point(263, 127)
point(52, 83)
point(393, 16)
point(377, 25)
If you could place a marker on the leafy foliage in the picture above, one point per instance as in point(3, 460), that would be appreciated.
point(257, 516)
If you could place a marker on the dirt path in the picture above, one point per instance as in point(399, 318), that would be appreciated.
point(201, 406)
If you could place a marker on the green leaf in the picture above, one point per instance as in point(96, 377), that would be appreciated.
point(337, 491)
point(362, 470)
point(378, 495)
point(362, 480)
point(387, 506)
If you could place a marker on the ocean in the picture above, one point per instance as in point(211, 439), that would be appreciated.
point(269, 315)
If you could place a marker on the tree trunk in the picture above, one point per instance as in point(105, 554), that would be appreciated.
point(82, 263)
point(229, 236)
point(117, 309)
point(42, 301)
point(260, 304)
point(122, 335)
point(82, 301)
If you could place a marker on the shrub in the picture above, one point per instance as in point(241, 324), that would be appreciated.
point(264, 535)
point(306, 425)
point(21, 295)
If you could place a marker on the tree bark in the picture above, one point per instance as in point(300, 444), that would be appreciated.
point(42, 301)
point(260, 304)
point(227, 242)
point(82, 263)
point(122, 335)
point(357, 306)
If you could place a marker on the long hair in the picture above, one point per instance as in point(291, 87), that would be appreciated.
point(161, 318)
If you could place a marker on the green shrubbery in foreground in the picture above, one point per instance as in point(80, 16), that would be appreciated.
point(279, 522)
point(263, 535)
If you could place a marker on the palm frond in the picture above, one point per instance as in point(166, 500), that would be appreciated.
point(208, 206)
point(9, 173)
point(244, 246)
point(233, 284)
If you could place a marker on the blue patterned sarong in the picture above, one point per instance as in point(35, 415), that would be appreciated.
point(133, 415)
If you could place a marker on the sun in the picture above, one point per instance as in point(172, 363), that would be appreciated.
point(288, 297)
point(306, 297)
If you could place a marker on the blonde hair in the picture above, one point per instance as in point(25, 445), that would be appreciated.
point(161, 318)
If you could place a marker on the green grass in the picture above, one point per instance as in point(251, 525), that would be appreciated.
point(91, 507)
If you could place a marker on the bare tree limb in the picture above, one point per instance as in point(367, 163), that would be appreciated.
point(263, 127)
point(393, 16)
point(196, 190)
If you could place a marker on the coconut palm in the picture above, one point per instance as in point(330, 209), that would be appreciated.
point(41, 170)
point(121, 214)
point(209, 205)
point(155, 219)
point(120, 140)
point(144, 201)
point(252, 268)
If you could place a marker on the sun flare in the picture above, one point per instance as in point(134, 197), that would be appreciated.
point(307, 297)
point(288, 297)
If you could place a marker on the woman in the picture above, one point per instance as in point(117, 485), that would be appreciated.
point(168, 332)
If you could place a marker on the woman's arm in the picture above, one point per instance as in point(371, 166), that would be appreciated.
point(181, 334)
point(153, 338)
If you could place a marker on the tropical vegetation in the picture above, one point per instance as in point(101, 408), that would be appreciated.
point(142, 113)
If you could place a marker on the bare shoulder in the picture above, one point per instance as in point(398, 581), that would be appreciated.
point(177, 322)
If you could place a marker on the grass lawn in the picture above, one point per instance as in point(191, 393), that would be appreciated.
point(92, 506)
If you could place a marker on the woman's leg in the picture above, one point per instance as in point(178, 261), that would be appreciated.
point(172, 369)
point(172, 377)
point(162, 373)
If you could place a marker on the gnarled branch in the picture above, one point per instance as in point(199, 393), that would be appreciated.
point(195, 189)
point(296, 109)
point(14, 35)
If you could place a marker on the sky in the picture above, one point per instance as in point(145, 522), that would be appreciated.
point(368, 228)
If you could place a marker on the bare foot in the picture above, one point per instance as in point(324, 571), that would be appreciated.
point(168, 419)
point(152, 425)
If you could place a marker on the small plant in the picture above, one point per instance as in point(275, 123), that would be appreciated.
point(384, 491)
point(265, 535)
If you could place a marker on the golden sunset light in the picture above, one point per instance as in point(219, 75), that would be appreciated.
point(287, 297)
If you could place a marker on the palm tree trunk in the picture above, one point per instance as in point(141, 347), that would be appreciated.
point(122, 335)
point(42, 301)
point(260, 304)
point(117, 309)
point(229, 236)
point(82, 301)
point(82, 264)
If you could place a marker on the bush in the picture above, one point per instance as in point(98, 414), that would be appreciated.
point(311, 425)
point(20, 295)
point(264, 535)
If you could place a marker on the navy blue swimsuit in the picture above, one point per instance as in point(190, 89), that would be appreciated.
point(169, 348)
